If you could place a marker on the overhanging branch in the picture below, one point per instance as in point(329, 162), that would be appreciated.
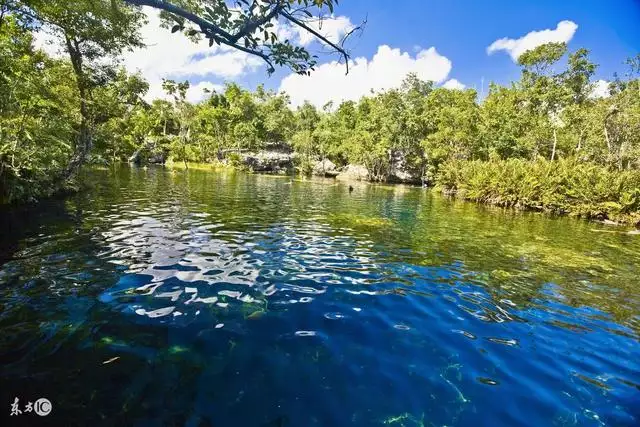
point(322, 38)
point(221, 36)
point(176, 10)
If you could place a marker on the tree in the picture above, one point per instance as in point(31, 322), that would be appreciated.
point(90, 30)
point(577, 80)
point(304, 139)
point(453, 118)
point(184, 114)
point(621, 124)
point(37, 114)
point(546, 94)
point(276, 118)
point(120, 116)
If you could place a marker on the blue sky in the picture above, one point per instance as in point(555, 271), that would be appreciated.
point(445, 41)
point(461, 30)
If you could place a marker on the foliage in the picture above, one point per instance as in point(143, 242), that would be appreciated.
point(564, 186)
point(51, 125)
point(488, 150)
point(35, 96)
point(251, 27)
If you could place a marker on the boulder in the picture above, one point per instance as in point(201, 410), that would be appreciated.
point(150, 152)
point(136, 157)
point(269, 161)
point(325, 168)
point(402, 175)
point(353, 173)
point(400, 172)
point(157, 157)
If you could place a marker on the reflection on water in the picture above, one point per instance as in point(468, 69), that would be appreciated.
point(201, 298)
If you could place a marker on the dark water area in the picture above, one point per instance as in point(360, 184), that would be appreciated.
point(200, 298)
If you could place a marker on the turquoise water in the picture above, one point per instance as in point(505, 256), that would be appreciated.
point(224, 299)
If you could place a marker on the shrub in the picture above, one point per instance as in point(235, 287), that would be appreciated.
point(564, 186)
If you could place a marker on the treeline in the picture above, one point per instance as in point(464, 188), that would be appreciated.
point(56, 114)
point(550, 113)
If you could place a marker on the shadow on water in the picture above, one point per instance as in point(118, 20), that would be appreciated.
point(208, 298)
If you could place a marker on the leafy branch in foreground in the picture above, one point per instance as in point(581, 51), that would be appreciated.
point(252, 27)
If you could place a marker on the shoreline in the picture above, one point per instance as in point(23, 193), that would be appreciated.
point(621, 221)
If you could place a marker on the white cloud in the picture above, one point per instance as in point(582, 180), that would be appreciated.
point(600, 89)
point(171, 56)
point(174, 56)
point(227, 64)
point(331, 27)
point(384, 71)
point(515, 47)
point(196, 93)
point(47, 41)
point(453, 84)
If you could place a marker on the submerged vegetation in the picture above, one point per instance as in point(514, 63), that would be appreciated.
point(543, 142)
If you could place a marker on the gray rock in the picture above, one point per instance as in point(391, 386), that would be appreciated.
point(157, 157)
point(151, 152)
point(353, 173)
point(400, 171)
point(269, 161)
point(136, 157)
point(325, 168)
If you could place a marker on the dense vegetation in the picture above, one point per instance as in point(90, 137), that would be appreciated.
point(543, 142)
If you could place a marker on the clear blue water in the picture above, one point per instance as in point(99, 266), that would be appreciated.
point(199, 298)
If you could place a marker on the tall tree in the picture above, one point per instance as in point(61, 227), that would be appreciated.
point(546, 95)
point(90, 31)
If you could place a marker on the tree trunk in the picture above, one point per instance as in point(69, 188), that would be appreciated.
point(579, 147)
point(185, 138)
point(612, 110)
point(84, 137)
point(606, 137)
point(555, 144)
point(620, 155)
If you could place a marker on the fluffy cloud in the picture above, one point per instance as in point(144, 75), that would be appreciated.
point(196, 93)
point(47, 41)
point(453, 84)
point(384, 71)
point(331, 27)
point(174, 56)
point(515, 47)
point(600, 89)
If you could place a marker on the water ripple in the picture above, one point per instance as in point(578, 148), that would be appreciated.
point(280, 299)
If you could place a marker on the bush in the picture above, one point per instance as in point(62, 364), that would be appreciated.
point(235, 160)
point(564, 186)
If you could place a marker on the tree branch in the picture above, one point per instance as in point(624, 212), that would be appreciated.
point(251, 25)
point(257, 53)
point(171, 8)
point(322, 38)
point(222, 36)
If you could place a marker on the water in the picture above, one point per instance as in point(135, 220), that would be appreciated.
point(222, 299)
